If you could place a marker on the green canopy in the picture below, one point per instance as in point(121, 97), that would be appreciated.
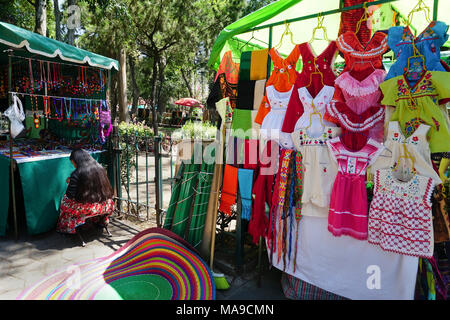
point(18, 38)
point(253, 29)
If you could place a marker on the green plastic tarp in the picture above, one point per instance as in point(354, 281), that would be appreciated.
point(17, 38)
point(284, 10)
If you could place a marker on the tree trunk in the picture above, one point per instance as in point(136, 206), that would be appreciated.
point(71, 28)
point(186, 81)
point(123, 105)
point(134, 86)
point(41, 17)
point(57, 19)
point(161, 105)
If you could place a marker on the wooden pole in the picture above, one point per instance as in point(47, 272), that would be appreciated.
point(11, 158)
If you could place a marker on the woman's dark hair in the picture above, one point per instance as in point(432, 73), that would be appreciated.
point(93, 183)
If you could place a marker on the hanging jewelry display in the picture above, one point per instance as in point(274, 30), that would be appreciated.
point(34, 109)
point(68, 110)
point(60, 112)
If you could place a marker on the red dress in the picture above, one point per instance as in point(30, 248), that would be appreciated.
point(357, 94)
point(324, 62)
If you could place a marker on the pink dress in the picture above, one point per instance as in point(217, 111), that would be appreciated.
point(348, 211)
point(356, 108)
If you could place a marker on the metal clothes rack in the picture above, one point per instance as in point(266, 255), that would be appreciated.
point(269, 61)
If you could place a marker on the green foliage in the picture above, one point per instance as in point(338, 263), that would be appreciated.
point(195, 130)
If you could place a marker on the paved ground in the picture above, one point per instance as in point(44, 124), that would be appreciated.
point(30, 258)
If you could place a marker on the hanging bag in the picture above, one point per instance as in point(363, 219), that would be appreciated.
point(16, 116)
point(104, 121)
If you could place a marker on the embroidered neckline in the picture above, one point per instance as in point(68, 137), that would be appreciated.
point(394, 128)
point(368, 85)
point(327, 134)
point(362, 51)
point(304, 93)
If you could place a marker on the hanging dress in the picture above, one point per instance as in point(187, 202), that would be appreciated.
point(313, 83)
point(428, 43)
point(282, 78)
point(356, 108)
point(420, 104)
point(348, 202)
point(400, 218)
point(271, 125)
point(319, 170)
point(416, 145)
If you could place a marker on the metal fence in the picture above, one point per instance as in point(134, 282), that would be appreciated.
point(134, 162)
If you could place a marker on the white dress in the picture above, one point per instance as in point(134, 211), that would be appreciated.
point(319, 169)
point(273, 121)
point(320, 102)
point(416, 145)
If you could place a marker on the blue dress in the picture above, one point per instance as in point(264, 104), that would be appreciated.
point(428, 43)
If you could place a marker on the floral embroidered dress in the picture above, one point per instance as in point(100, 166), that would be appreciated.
point(420, 104)
point(271, 125)
point(428, 44)
point(400, 216)
point(74, 214)
point(319, 170)
point(282, 78)
point(416, 145)
point(313, 83)
point(348, 204)
point(356, 108)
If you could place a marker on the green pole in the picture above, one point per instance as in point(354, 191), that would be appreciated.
point(11, 157)
point(435, 10)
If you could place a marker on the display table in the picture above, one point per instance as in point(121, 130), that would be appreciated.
point(43, 181)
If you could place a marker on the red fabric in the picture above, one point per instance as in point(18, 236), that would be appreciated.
point(251, 151)
point(262, 192)
point(324, 63)
point(359, 57)
point(349, 20)
point(74, 214)
point(229, 189)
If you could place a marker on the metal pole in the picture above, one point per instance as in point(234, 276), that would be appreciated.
point(157, 167)
point(435, 9)
point(11, 158)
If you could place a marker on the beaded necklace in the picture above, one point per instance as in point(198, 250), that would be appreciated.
point(60, 114)
point(68, 110)
point(34, 109)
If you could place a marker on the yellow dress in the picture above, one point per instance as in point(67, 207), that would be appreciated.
point(420, 104)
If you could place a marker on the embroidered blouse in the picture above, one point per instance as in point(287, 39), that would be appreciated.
point(420, 104)
point(428, 43)
point(416, 145)
point(400, 216)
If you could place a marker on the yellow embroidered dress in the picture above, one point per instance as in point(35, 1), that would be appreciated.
point(421, 104)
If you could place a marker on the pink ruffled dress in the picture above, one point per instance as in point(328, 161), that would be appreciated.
point(356, 108)
point(348, 213)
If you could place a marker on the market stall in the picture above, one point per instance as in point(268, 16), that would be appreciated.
point(55, 97)
point(339, 131)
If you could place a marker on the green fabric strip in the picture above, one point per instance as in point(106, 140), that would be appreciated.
point(242, 124)
point(244, 68)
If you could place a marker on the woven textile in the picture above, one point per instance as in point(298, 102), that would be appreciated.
point(297, 289)
point(155, 264)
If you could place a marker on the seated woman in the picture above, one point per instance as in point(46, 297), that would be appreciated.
point(89, 194)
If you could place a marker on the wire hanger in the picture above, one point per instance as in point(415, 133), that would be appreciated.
point(316, 71)
point(252, 38)
point(320, 25)
point(286, 32)
point(363, 18)
point(420, 6)
point(406, 155)
point(315, 112)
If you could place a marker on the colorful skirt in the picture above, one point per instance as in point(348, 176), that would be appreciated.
point(73, 214)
